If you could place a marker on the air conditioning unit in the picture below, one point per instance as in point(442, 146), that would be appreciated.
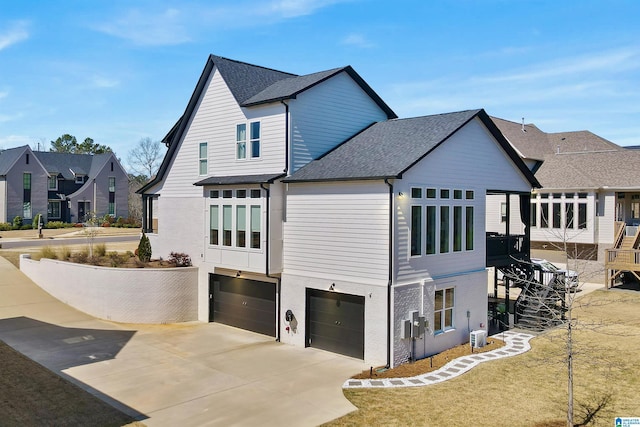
point(478, 339)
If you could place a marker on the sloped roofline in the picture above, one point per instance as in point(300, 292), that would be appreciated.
point(24, 148)
point(480, 114)
point(179, 127)
point(352, 73)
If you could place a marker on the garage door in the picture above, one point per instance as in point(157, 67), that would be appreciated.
point(243, 303)
point(335, 322)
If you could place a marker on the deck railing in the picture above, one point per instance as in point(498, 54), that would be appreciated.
point(502, 248)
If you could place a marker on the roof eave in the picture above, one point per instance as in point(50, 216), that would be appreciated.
point(342, 179)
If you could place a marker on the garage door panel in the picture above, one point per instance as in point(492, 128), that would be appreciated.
point(336, 322)
point(243, 303)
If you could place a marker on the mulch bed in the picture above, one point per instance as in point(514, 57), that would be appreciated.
point(429, 364)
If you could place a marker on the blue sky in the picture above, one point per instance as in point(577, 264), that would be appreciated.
point(122, 70)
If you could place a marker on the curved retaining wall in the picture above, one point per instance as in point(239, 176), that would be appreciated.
point(130, 295)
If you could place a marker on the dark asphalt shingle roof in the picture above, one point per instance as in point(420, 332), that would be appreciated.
point(240, 179)
point(287, 88)
point(66, 163)
point(8, 158)
point(387, 149)
point(245, 80)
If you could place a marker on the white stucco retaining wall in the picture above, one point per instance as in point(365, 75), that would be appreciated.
point(131, 295)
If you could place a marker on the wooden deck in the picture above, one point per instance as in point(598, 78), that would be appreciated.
point(624, 257)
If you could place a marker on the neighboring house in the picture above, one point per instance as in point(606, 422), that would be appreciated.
point(61, 186)
point(589, 185)
point(317, 217)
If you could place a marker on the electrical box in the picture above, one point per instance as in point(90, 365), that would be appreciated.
point(478, 339)
point(406, 329)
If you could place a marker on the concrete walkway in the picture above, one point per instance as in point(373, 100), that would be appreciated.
point(167, 375)
point(516, 343)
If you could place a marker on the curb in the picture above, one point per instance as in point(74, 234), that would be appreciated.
point(515, 343)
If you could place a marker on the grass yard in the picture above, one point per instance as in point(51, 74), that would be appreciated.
point(530, 389)
point(31, 395)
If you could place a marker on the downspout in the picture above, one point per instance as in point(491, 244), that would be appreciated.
point(286, 137)
point(266, 269)
point(390, 282)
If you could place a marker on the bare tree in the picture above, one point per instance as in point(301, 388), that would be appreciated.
point(145, 157)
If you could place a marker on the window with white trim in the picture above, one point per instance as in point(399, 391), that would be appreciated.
point(252, 150)
point(235, 223)
point(52, 182)
point(202, 159)
point(443, 310)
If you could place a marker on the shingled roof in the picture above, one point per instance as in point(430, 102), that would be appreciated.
point(387, 149)
point(66, 164)
point(8, 157)
point(592, 170)
point(533, 143)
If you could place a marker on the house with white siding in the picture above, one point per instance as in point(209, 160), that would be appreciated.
point(319, 218)
point(591, 190)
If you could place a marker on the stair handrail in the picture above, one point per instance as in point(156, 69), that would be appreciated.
point(635, 239)
point(619, 234)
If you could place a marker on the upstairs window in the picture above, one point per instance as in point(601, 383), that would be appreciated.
point(79, 179)
point(112, 184)
point(253, 148)
point(202, 158)
point(52, 182)
point(255, 140)
point(241, 141)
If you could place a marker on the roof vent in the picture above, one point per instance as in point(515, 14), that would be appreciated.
point(558, 150)
point(523, 129)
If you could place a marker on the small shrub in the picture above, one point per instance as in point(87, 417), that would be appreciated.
point(144, 249)
point(5, 226)
point(26, 227)
point(48, 252)
point(17, 222)
point(56, 224)
point(93, 260)
point(64, 253)
point(179, 259)
point(100, 250)
point(82, 256)
point(116, 259)
point(130, 254)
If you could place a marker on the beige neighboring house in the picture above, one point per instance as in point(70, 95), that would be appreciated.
point(590, 196)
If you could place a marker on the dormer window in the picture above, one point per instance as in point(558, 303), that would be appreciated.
point(79, 179)
point(52, 182)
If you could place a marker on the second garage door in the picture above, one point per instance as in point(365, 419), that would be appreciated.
point(243, 303)
point(335, 322)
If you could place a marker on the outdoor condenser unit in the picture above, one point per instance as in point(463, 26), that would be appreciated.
point(478, 339)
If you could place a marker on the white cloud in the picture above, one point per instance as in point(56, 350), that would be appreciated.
point(11, 141)
point(103, 82)
point(168, 27)
point(357, 40)
point(14, 34)
point(293, 8)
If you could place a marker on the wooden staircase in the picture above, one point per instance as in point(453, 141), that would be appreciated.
point(624, 256)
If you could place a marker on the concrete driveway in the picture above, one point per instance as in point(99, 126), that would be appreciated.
point(188, 374)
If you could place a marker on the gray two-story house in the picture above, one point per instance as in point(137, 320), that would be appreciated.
point(61, 186)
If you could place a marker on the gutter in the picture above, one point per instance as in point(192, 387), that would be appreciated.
point(390, 282)
point(266, 269)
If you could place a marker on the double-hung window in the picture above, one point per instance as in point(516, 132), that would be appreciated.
point(52, 182)
point(251, 150)
point(443, 310)
point(241, 141)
